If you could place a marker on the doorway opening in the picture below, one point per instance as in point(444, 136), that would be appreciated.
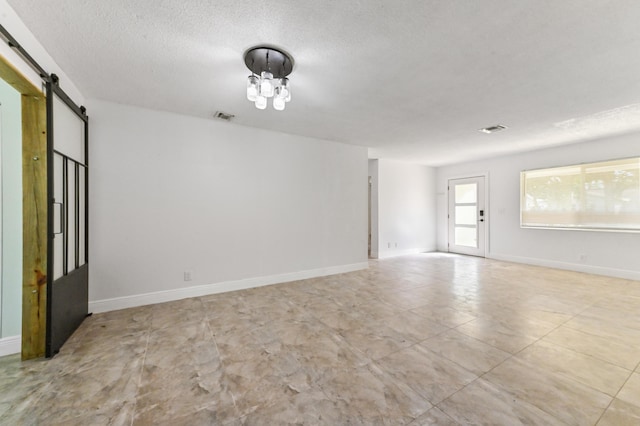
point(10, 215)
point(467, 216)
point(32, 163)
point(369, 239)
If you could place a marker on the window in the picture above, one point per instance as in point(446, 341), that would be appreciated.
point(597, 196)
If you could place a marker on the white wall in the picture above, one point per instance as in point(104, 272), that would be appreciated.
point(406, 208)
point(11, 218)
point(171, 193)
point(606, 253)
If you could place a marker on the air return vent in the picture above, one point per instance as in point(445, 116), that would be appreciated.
point(223, 116)
point(493, 129)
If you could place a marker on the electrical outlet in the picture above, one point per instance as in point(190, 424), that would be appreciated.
point(396, 245)
point(583, 258)
point(388, 245)
point(187, 275)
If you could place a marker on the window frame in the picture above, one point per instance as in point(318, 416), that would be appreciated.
point(574, 226)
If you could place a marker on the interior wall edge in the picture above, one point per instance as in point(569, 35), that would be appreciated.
point(106, 305)
point(10, 345)
point(576, 267)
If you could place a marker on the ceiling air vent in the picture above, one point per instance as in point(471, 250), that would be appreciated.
point(223, 116)
point(493, 129)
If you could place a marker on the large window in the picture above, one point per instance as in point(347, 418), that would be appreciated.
point(598, 196)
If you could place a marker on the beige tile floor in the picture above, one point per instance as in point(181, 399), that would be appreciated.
point(424, 339)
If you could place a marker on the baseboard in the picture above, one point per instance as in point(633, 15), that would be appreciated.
point(383, 254)
point(578, 267)
point(10, 345)
point(106, 305)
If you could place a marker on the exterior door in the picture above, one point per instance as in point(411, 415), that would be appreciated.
point(467, 216)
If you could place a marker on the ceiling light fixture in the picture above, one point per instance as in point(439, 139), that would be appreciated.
point(269, 70)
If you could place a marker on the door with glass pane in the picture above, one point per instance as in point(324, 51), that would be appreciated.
point(68, 274)
point(467, 216)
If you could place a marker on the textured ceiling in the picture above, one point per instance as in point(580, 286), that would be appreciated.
point(412, 80)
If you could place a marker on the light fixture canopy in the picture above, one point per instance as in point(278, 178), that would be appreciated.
point(269, 68)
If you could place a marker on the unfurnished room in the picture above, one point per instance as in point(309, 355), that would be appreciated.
point(319, 212)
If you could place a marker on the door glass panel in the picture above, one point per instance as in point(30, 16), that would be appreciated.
point(68, 131)
point(71, 217)
point(467, 237)
point(466, 215)
point(466, 193)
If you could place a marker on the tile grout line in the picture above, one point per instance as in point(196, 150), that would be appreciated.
point(511, 355)
point(215, 343)
point(617, 393)
point(547, 292)
point(144, 358)
point(586, 355)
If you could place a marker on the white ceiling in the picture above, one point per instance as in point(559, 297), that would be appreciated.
point(412, 80)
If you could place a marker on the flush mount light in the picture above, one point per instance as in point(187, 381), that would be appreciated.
point(269, 70)
point(493, 129)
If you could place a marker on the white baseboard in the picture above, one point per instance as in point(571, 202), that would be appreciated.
point(383, 254)
point(10, 345)
point(578, 267)
point(106, 305)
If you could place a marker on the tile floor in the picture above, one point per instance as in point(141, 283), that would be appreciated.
point(424, 339)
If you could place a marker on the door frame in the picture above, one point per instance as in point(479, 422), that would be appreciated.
point(34, 210)
point(487, 207)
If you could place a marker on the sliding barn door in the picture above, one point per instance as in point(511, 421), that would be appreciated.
point(68, 173)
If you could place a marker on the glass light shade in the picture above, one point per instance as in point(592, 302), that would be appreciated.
point(278, 103)
point(252, 88)
point(261, 102)
point(284, 85)
point(266, 84)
